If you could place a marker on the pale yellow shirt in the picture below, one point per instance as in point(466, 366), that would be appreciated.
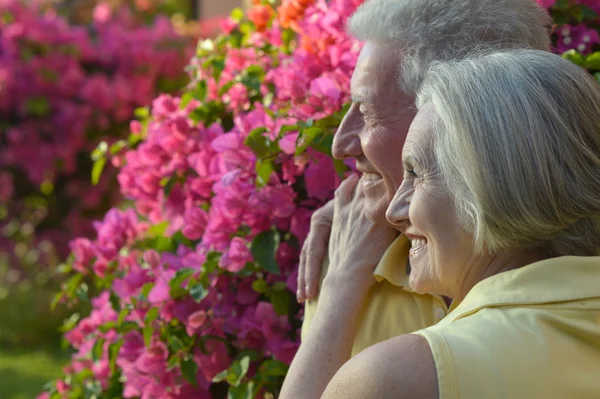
point(529, 333)
point(392, 308)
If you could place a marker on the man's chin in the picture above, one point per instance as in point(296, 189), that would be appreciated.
point(376, 208)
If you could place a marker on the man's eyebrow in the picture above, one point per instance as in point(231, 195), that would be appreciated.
point(356, 98)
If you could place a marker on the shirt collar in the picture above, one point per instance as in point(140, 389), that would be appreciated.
point(562, 279)
point(393, 265)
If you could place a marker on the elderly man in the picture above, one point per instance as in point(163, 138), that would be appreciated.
point(402, 39)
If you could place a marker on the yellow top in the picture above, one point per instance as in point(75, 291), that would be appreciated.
point(528, 333)
point(392, 308)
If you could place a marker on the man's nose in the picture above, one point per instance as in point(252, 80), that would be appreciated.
point(346, 142)
point(398, 210)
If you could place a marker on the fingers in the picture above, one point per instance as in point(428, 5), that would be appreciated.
point(317, 249)
point(301, 290)
point(313, 253)
point(345, 192)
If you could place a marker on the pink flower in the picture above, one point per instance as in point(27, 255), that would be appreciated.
point(84, 254)
point(580, 38)
point(237, 256)
point(197, 319)
point(6, 186)
point(195, 223)
point(546, 3)
point(320, 177)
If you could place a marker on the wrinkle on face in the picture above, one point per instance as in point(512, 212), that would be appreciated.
point(375, 127)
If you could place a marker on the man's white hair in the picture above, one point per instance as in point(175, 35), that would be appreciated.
point(422, 31)
point(518, 143)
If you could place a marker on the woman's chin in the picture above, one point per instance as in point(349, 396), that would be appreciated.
point(418, 284)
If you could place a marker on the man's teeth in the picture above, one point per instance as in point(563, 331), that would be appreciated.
point(371, 176)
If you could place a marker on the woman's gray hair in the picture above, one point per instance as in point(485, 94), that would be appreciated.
point(422, 31)
point(518, 143)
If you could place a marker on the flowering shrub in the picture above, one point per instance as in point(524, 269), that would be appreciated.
point(63, 87)
point(193, 279)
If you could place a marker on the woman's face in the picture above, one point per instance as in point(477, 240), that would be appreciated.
point(441, 256)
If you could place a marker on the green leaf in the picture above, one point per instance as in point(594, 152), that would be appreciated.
point(575, 57)
point(113, 351)
point(237, 14)
point(168, 184)
point(37, 106)
point(260, 286)
point(274, 368)
point(593, 61)
point(56, 300)
point(97, 170)
point(180, 276)
point(147, 332)
point(72, 284)
point(142, 112)
point(258, 142)
point(146, 288)
point(185, 99)
point(127, 326)
point(279, 286)
point(306, 137)
point(222, 376)
point(122, 315)
point(189, 370)
point(244, 365)
point(263, 248)
point(151, 315)
point(200, 92)
point(281, 301)
point(70, 323)
point(82, 292)
point(218, 64)
point(264, 169)
point(588, 13)
point(225, 88)
point(198, 292)
point(158, 230)
point(286, 129)
point(106, 327)
point(98, 349)
point(116, 147)
point(243, 391)
point(561, 4)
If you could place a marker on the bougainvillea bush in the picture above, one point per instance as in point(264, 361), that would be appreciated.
point(62, 88)
point(194, 275)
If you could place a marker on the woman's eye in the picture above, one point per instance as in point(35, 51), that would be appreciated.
point(411, 172)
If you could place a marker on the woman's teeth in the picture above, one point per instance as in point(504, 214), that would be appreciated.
point(417, 246)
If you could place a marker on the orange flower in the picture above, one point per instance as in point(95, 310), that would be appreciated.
point(291, 11)
point(260, 15)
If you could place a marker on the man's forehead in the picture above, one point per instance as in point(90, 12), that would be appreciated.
point(375, 73)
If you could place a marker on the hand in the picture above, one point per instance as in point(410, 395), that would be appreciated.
point(313, 252)
point(356, 243)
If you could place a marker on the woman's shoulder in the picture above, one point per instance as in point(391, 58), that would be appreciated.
point(400, 367)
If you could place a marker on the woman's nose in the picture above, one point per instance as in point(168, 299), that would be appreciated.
point(398, 210)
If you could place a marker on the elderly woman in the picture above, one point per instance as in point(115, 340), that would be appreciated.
point(501, 201)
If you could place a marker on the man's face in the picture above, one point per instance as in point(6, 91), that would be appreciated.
point(375, 127)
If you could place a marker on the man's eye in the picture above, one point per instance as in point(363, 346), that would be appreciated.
point(363, 108)
point(411, 172)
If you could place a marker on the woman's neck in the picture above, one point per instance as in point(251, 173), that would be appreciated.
point(493, 264)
